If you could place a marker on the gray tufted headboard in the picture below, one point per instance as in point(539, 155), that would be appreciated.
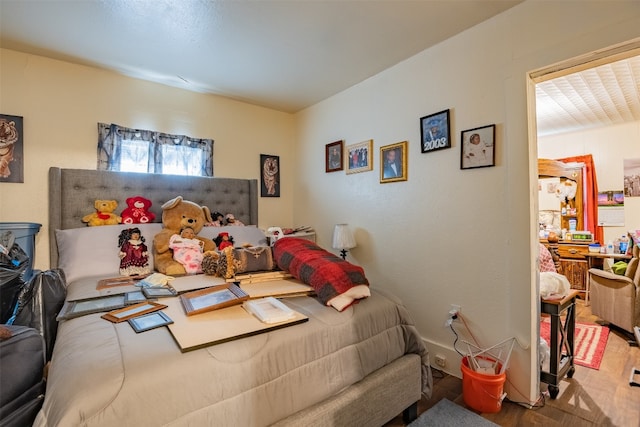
point(72, 193)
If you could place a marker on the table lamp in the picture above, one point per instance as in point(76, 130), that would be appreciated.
point(343, 239)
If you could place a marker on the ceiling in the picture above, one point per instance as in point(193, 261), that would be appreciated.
point(288, 55)
point(602, 96)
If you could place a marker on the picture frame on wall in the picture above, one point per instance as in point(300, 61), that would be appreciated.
point(333, 157)
point(477, 148)
point(269, 175)
point(435, 131)
point(359, 157)
point(11, 149)
point(393, 162)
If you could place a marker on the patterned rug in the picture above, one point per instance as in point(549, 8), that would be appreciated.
point(590, 342)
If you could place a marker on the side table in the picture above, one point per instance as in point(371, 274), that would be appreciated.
point(562, 339)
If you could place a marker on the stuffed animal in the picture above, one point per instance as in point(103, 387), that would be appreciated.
point(104, 214)
point(177, 214)
point(137, 211)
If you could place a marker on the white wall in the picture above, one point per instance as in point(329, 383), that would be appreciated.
point(61, 104)
point(609, 146)
point(449, 235)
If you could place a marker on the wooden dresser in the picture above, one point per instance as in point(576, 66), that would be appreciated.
point(570, 261)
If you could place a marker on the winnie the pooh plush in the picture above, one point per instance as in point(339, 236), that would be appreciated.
point(137, 211)
point(104, 214)
point(177, 214)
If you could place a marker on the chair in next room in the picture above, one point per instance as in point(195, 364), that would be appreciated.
point(615, 298)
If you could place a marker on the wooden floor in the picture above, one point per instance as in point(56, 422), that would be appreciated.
point(591, 398)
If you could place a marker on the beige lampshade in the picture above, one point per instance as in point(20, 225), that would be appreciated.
point(343, 238)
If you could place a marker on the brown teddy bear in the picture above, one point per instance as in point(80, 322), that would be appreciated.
point(104, 214)
point(177, 214)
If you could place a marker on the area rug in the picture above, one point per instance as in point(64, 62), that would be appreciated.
point(590, 342)
point(447, 414)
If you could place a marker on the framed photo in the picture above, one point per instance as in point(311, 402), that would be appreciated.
point(120, 281)
point(212, 298)
point(478, 147)
point(269, 175)
point(149, 321)
point(159, 292)
point(78, 308)
point(333, 156)
point(11, 149)
point(393, 162)
point(359, 157)
point(134, 297)
point(117, 316)
point(435, 131)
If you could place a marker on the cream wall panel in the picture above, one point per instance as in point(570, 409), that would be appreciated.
point(448, 236)
point(62, 103)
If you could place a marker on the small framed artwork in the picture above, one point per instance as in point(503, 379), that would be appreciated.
point(11, 149)
point(149, 321)
point(159, 292)
point(393, 162)
point(117, 316)
point(333, 157)
point(478, 147)
point(134, 297)
point(359, 157)
point(78, 308)
point(269, 175)
point(434, 132)
point(212, 298)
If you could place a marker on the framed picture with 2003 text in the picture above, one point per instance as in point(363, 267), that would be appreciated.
point(435, 131)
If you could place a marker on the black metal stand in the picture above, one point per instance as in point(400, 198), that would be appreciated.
point(343, 254)
point(562, 338)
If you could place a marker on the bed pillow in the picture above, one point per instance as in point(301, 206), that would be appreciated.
point(337, 283)
point(93, 251)
point(248, 234)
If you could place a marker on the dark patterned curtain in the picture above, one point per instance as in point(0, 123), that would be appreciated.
point(136, 150)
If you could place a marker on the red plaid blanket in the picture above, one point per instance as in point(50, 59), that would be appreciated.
point(328, 274)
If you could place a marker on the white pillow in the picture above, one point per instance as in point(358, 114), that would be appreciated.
point(93, 251)
point(250, 234)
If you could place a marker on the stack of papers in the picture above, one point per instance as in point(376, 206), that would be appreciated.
point(269, 310)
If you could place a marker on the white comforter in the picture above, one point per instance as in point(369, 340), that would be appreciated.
point(104, 374)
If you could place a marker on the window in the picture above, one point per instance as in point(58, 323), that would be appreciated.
point(134, 150)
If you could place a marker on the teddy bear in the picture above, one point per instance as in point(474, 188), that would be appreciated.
point(137, 211)
point(177, 214)
point(104, 214)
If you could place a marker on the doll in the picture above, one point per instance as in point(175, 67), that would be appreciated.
point(134, 256)
point(187, 250)
point(223, 240)
point(231, 220)
point(217, 220)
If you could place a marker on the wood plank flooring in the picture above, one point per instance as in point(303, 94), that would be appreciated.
point(591, 398)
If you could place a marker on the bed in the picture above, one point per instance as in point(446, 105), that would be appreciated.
point(364, 365)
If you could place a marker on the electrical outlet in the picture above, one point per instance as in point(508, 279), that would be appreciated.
point(455, 310)
point(440, 360)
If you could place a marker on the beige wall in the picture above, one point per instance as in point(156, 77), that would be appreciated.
point(62, 103)
point(609, 146)
point(450, 236)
